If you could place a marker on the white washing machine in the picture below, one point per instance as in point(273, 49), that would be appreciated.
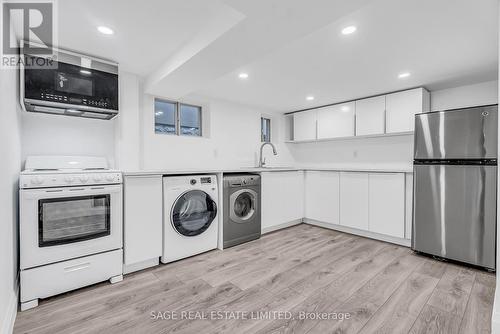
point(190, 224)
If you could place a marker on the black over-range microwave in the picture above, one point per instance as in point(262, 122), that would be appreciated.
point(72, 85)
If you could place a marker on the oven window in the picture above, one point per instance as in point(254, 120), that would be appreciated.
point(72, 219)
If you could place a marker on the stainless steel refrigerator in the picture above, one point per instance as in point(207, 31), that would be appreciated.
point(455, 183)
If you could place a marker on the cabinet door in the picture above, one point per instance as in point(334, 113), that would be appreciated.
point(409, 205)
point(143, 218)
point(370, 116)
point(322, 196)
point(401, 108)
point(387, 204)
point(304, 125)
point(282, 198)
point(336, 121)
point(354, 200)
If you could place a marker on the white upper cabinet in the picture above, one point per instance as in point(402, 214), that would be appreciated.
point(370, 116)
point(387, 204)
point(336, 121)
point(401, 108)
point(379, 115)
point(304, 125)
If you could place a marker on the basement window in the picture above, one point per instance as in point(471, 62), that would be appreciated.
point(177, 118)
point(265, 130)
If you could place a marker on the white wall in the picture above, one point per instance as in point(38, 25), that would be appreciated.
point(10, 151)
point(45, 134)
point(465, 96)
point(394, 151)
point(128, 124)
point(231, 140)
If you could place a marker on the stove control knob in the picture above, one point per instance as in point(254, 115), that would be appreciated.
point(69, 179)
point(97, 178)
point(36, 180)
point(110, 177)
point(84, 178)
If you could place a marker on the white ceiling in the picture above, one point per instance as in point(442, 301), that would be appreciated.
point(146, 32)
point(442, 43)
point(289, 48)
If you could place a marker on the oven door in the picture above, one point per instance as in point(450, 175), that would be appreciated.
point(63, 223)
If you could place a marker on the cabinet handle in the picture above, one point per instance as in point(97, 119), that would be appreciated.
point(77, 267)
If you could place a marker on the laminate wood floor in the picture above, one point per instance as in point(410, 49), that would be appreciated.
point(303, 279)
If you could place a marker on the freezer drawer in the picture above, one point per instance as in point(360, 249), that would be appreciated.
point(457, 134)
point(454, 212)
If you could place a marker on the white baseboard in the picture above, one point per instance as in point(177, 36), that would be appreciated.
point(495, 317)
point(367, 234)
point(281, 226)
point(9, 319)
point(127, 269)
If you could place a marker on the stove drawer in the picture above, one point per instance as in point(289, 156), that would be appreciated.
point(53, 279)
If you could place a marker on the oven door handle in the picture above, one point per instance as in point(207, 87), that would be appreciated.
point(77, 267)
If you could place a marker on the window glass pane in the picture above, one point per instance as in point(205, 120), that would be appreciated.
point(190, 120)
point(165, 116)
point(265, 126)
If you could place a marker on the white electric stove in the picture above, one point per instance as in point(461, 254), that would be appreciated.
point(70, 225)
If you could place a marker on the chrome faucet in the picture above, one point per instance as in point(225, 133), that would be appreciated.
point(262, 162)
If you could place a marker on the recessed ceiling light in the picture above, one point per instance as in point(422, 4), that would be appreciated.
point(348, 30)
point(404, 75)
point(243, 75)
point(105, 30)
point(344, 108)
point(309, 98)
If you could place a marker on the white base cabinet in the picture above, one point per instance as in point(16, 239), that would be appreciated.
point(374, 204)
point(143, 221)
point(321, 196)
point(282, 199)
point(387, 203)
point(354, 200)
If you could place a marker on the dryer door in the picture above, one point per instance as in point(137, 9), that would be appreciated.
point(193, 213)
point(243, 206)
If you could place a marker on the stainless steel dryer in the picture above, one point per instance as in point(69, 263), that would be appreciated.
point(242, 220)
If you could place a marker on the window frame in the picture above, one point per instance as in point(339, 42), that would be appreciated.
point(177, 117)
point(262, 120)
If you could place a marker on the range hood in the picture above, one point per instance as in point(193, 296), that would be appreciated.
point(73, 85)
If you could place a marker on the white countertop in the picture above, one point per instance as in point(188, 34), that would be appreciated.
point(387, 168)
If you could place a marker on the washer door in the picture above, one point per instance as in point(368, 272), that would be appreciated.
point(242, 205)
point(193, 212)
